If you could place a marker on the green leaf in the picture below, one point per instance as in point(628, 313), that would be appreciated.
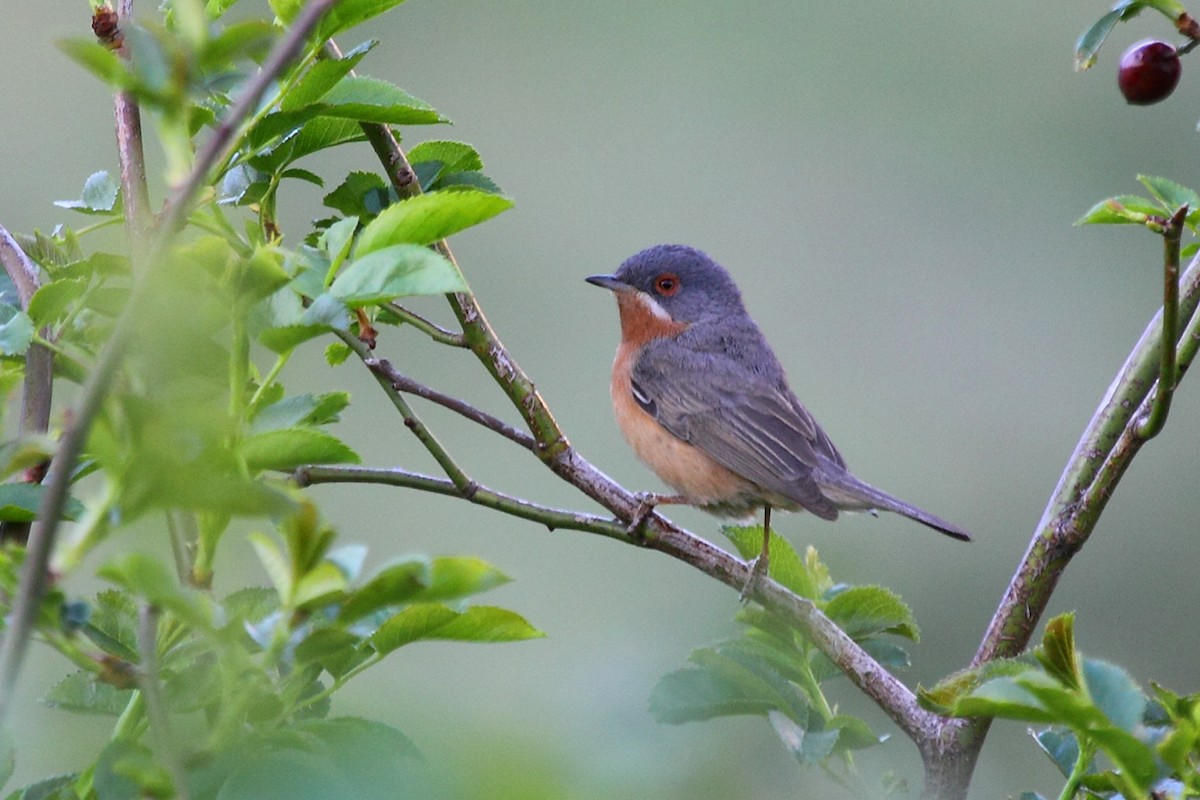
point(1057, 653)
point(1121, 210)
point(301, 410)
point(113, 624)
point(1089, 41)
point(333, 649)
point(454, 577)
point(336, 240)
point(336, 353)
point(809, 747)
point(392, 585)
point(278, 568)
point(58, 787)
point(454, 156)
point(19, 503)
point(785, 566)
point(362, 194)
point(98, 60)
point(436, 621)
point(863, 611)
point(250, 39)
point(1135, 759)
point(52, 299)
point(289, 448)
point(426, 218)
point(321, 77)
point(693, 694)
point(81, 693)
point(853, 733)
point(144, 575)
point(1171, 194)
point(16, 330)
point(1114, 693)
point(312, 136)
point(348, 13)
point(397, 271)
point(1061, 746)
point(1005, 697)
point(320, 585)
point(259, 276)
point(101, 195)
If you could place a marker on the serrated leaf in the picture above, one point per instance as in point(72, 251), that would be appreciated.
point(148, 577)
point(785, 566)
point(321, 77)
point(394, 584)
point(1135, 759)
point(426, 218)
point(1121, 210)
point(1171, 194)
point(1004, 697)
point(57, 787)
point(436, 621)
point(693, 695)
point(863, 611)
point(16, 330)
point(113, 624)
point(362, 194)
point(853, 733)
point(1114, 693)
point(348, 13)
point(335, 240)
point(303, 175)
point(19, 503)
point(81, 693)
point(397, 271)
point(336, 353)
point(250, 39)
point(1057, 653)
point(101, 195)
point(454, 156)
point(289, 448)
point(300, 410)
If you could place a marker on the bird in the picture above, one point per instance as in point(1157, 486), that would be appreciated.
point(703, 401)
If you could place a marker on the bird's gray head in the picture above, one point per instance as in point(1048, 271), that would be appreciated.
point(681, 281)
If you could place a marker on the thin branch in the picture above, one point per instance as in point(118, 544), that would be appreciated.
point(130, 152)
point(1060, 533)
point(41, 539)
point(411, 421)
point(429, 328)
point(37, 390)
point(156, 710)
point(403, 383)
point(1153, 422)
point(871, 677)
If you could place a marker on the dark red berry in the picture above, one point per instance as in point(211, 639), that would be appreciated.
point(1149, 72)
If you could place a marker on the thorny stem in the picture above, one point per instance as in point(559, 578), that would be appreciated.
point(41, 539)
point(130, 152)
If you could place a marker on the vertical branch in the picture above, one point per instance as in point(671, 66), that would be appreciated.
point(41, 539)
point(1154, 421)
point(130, 150)
point(156, 710)
point(37, 391)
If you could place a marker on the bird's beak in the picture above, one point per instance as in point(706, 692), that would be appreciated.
point(608, 282)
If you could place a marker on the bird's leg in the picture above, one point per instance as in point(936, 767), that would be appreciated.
point(647, 501)
point(760, 566)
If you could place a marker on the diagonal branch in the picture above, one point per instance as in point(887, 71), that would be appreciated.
point(872, 678)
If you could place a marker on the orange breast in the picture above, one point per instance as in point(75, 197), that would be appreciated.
point(684, 467)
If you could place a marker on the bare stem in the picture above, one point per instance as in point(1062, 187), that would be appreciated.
point(402, 383)
point(430, 329)
point(130, 152)
point(156, 710)
point(1153, 422)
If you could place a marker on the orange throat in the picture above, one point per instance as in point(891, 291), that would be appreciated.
point(642, 319)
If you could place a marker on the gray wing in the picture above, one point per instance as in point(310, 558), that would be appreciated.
point(746, 419)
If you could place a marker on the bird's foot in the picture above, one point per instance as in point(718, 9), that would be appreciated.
point(759, 569)
point(647, 502)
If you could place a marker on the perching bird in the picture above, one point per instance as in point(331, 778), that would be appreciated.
point(703, 401)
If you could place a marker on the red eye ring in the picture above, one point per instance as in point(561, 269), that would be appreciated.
point(666, 284)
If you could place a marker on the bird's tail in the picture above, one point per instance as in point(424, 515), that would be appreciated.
point(850, 493)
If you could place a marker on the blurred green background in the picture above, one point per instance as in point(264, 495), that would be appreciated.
point(893, 186)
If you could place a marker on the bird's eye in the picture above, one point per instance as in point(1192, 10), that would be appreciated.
point(667, 284)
